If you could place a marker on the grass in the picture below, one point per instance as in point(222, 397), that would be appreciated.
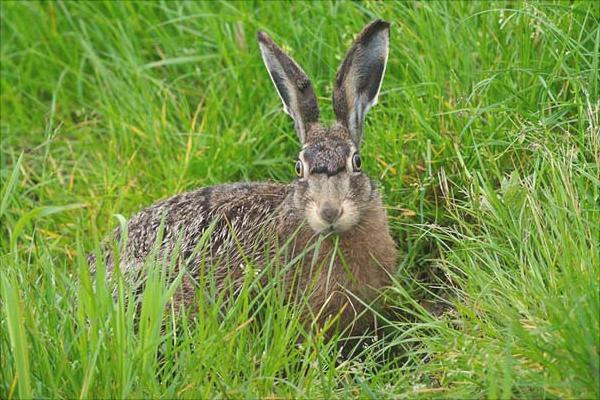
point(486, 143)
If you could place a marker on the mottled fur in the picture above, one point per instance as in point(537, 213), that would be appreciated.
point(331, 200)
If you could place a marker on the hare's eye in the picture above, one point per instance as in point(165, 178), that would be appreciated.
point(356, 162)
point(299, 168)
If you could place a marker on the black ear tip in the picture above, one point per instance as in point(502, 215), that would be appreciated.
point(379, 24)
point(262, 37)
point(373, 28)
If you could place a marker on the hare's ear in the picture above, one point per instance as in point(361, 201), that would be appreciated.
point(292, 84)
point(359, 78)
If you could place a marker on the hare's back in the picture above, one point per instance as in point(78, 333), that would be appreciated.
point(234, 212)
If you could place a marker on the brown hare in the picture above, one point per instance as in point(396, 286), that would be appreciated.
point(331, 200)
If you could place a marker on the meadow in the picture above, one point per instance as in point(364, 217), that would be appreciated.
point(485, 142)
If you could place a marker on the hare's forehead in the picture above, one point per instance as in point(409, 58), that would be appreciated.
point(328, 157)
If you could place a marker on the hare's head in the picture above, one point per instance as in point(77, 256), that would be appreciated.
point(331, 190)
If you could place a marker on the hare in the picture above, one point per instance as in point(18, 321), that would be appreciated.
point(331, 199)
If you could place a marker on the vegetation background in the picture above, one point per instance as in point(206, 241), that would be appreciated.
point(485, 141)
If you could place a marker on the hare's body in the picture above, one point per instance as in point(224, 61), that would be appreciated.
point(222, 230)
point(244, 221)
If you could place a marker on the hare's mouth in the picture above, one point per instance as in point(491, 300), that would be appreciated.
point(331, 228)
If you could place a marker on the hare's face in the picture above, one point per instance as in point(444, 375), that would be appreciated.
point(331, 190)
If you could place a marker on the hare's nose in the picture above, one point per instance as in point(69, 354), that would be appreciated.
point(329, 212)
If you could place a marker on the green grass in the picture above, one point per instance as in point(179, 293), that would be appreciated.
point(486, 143)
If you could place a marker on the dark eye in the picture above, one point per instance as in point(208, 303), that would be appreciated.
point(356, 162)
point(299, 168)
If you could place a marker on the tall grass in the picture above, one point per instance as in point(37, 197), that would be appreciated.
point(486, 143)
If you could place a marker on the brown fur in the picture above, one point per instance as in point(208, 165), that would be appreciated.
point(368, 263)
